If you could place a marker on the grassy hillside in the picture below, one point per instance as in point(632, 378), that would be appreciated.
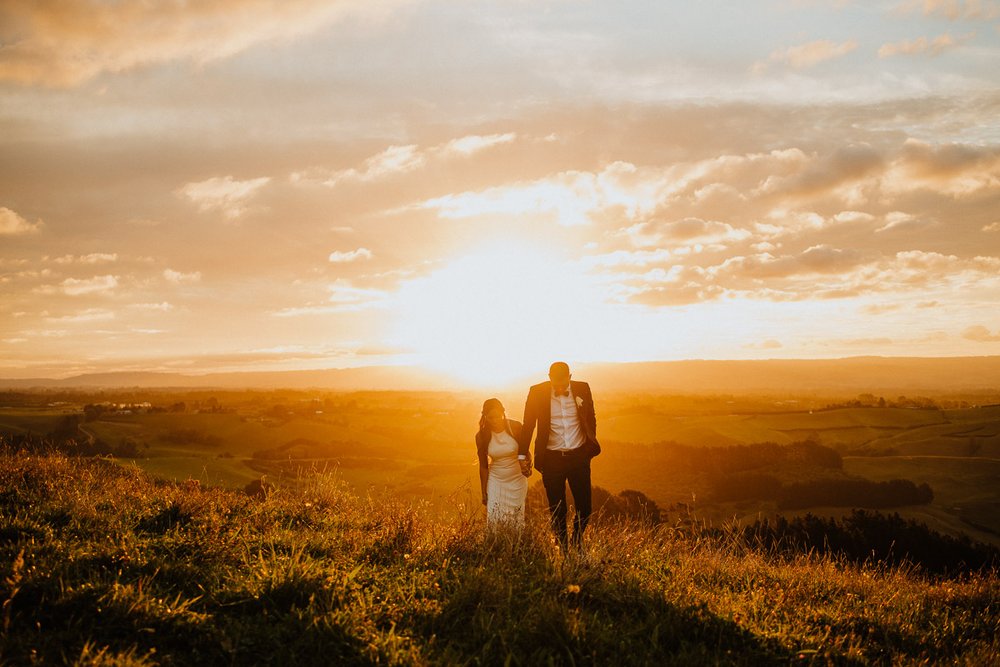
point(100, 564)
point(418, 445)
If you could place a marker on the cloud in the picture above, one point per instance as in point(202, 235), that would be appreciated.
point(922, 45)
point(981, 334)
point(393, 160)
point(338, 257)
point(774, 194)
point(68, 43)
point(971, 10)
point(766, 193)
point(29, 274)
point(880, 308)
point(629, 258)
point(737, 188)
point(299, 311)
point(345, 296)
point(88, 315)
point(807, 55)
point(780, 222)
point(92, 258)
point(938, 264)
point(837, 173)
point(163, 306)
point(397, 160)
point(957, 170)
point(678, 286)
point(919, 272)
point(345, 293)
point(222, 193)
point(475, 143)
point(688, 230)
point(818, 272)
point(815, 260)
point(853, 216)
point(95, 285)
point(570, 198)
point(179, 278)
point(992, 227)
point(900, 221)
point(12, 224)
point(620, 190)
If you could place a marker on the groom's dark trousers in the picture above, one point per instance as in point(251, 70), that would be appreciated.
point(574, 468)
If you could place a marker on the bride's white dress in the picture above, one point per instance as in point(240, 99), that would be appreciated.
point(506, 487)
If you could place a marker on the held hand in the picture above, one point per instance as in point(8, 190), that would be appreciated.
point(525, 467)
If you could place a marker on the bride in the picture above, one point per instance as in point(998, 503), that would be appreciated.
point(503, 484)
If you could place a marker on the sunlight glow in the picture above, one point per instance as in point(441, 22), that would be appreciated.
point(499, 314)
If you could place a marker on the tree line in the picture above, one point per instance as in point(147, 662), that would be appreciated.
point(739, 458)
point(68, 438)
point(829, 492)
point(865, 536)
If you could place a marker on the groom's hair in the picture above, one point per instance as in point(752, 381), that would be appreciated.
point(559, 369)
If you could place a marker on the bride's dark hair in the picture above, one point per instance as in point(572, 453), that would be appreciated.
point(488, 405)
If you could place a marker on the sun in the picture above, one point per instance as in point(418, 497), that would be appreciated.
point(496, 315)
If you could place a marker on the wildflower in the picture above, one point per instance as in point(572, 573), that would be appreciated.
point(573, 588)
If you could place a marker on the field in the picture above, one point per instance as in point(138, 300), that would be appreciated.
point(418, 445)
point(102, 565)
point(964, 487)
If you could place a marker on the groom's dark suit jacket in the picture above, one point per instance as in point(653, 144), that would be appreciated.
point(538, 412)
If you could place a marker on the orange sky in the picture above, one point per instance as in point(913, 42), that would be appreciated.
point(481, 187)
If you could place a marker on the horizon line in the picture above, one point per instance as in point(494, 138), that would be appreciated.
point(432, 371)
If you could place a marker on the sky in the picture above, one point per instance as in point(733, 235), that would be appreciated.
point(481, 187)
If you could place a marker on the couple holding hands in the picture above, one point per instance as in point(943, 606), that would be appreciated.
point(562, 409)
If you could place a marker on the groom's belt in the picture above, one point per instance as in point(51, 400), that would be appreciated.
point(565, 452)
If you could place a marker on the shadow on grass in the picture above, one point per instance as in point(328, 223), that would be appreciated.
point(500, 620)
point(126, 620)
point(516, 601)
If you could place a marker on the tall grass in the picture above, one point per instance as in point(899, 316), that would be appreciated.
point(101, 565)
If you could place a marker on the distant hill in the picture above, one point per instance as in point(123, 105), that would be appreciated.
point(889, 375)
point(367, 377)
point(852, 374)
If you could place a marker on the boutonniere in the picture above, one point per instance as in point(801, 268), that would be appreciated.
point(579, 401)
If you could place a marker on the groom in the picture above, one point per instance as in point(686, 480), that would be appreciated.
point(563, 410)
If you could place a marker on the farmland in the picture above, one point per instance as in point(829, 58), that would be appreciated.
point(418, 445)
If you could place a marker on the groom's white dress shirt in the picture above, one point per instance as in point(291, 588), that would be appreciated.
point(566, 432)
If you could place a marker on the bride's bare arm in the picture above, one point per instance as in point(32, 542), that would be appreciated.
point(484, 473)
